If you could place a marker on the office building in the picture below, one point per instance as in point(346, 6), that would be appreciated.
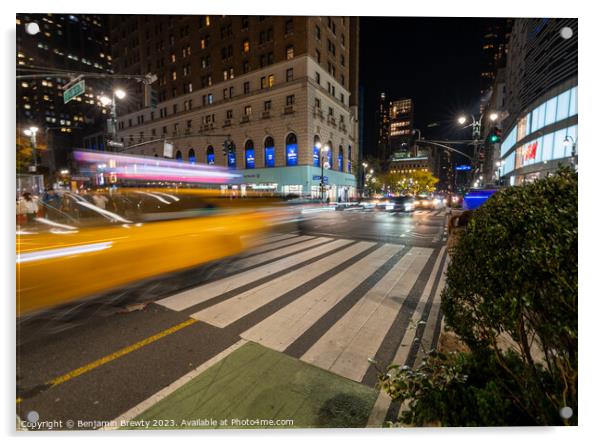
point(401, 127)
point(62, 42)
point(540, 131)
point(277, 88)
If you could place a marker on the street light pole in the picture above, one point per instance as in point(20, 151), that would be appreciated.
point(31, 132)
point(476, 134)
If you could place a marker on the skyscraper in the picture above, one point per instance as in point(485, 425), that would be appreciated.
point(64, 42)
point(495, 48)
point(277, 87)
point(401, 124)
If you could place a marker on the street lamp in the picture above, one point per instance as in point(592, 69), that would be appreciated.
point(31, 132)
point(323, 150)
point(105, 101)
point(569, 141)
point(476, 132)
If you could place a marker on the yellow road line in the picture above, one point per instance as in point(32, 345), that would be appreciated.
point(115, 355)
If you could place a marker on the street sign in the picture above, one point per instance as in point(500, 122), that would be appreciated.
point(463, 167)
point(76, 90)
point(115, 144)
point(167, 149)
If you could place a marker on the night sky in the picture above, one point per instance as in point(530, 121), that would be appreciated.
point(434, 61)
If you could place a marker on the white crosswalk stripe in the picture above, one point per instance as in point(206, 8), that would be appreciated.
point(337, 323)
point(285, 326)
point(224, 313)
point(199, 294)
point(347, 345)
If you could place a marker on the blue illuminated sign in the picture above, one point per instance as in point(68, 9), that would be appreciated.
point(231, 159)
point(316, 157)
point(291, 154)
point(250, 158)
point(463, 167)
point(269, 157)
point(210, 158)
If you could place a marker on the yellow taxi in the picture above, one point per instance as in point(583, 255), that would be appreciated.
point(84, 244)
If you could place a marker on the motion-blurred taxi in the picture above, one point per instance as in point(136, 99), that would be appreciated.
point(85, 245)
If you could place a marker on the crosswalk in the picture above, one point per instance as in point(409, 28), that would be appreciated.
point(331, 302)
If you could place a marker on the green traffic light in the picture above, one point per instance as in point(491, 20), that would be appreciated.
point(494, 138)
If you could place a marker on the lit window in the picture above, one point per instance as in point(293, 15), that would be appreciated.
point(24, 84)
point(207, 21)
point(290, 52)
point(245, 46)
point(270, 81)
point(173, 75)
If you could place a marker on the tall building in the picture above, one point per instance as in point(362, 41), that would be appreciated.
point(277, 87)
point(496, 35)
point(382, 120)
point(540, 130)
point(401, 127)
point(64, 42)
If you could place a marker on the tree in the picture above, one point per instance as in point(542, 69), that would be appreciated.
point(511, 297)
point(412, 183)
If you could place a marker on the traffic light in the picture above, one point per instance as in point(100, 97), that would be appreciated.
point(495, 136)
point(227, 147)
point(150, 96)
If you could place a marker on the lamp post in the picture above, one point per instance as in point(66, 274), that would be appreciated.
point(117, 94)
point(568, 140)
point(476, 132)
point(363, 178)
point(31, 132)
point(323, 150)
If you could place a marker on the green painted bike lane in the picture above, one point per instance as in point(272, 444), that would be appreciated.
point(256, 387)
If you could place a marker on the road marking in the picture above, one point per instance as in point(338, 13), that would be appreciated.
point(274, 245)
point(157, 397)
point(407, 341)
point(251, 260)
point(192, 297)
point(356, 336)
point(228, 311)
point(283, 327)
point(106, 359)
point(117, 354)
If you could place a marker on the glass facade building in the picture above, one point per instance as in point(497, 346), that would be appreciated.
point(544, 136)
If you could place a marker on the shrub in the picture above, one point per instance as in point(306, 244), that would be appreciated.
point(511, 296)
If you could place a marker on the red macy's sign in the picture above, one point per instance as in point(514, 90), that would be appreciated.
point(531, 151)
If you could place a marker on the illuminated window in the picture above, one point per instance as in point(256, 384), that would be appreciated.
point(174, 75)
point(270, 81)
point(245, 46)
point(24, 84)
point(290, 52)
point(207, 21)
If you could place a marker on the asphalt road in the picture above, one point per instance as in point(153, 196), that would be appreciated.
point(105, 360)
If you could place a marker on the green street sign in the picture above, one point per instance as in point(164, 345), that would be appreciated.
point(74, 91)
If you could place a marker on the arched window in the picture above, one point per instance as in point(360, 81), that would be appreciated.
point(269, 155)
point(191, 156)
point(249, 154)
point(179, 156)
point(232, 156)
point(330, 166)
point(317, 146)
point(210, 155)
point(291, 150)
point(349, 159)
point(340, 158)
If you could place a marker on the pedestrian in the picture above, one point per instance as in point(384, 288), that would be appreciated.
point(100, 200)
point(28, 205)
